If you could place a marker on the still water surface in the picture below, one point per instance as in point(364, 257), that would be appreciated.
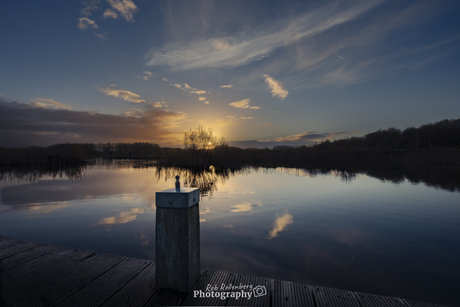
point(349, 231)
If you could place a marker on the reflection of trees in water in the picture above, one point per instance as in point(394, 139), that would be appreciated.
point(204, 178)
point(207, 178)
point(447, 178)
point(28, 173)
point(344, 175)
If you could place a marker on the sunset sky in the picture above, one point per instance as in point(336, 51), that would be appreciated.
point(260, 73)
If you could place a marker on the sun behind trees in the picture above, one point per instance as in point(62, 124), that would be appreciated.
point(201, 139)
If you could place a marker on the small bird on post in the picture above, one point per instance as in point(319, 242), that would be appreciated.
point(177, 183)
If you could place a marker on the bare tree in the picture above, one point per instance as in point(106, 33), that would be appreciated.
point(201, 139)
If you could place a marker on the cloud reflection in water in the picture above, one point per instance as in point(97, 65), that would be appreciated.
point(280, 223)
point(122, 218)
point(246, 206)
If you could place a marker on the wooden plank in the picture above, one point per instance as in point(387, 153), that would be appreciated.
point(217, 278)
point(411, 303)
point(16, 288)
point(277, 293)
point(334, 297)
point(103, 287)
point(372, 300)
point(17, 248)
point(68, 281)
point(137, 291)
point(214, 277)
point(303, 295)
point(7, 242)
point(25, 256)
point(250, 282)
point(201, 283)
point(164, 297)
point(222, 278)
point(44, 275)
point(40, 267)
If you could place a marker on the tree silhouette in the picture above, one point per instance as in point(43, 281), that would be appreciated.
point(201, 139)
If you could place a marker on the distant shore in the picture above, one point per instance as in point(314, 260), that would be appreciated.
point(430, 146)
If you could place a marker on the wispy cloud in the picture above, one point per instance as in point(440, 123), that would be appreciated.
point(49, 104)
point(232, 120)
point(90, 6)
point(187, 88)
point(226, 86)
point(313, 136)
point(243, 104)
point(202, 98)
point(158, 104)
point(99, 35)
point(246, 47)
point(276, 87)
point(126, 8)
point(113, 91)
point(331, 43)
point(198, 92)
point(85, 23)
point(109, 14)
point(27, 125)
point(304, 138)
point(147, 75)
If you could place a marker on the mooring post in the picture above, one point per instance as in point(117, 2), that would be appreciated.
point(177, 250)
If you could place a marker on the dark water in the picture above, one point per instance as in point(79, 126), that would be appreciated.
point(346, 230)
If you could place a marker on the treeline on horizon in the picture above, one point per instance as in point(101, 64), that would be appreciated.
point(436, 144)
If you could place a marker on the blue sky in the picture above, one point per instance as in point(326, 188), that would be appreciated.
point(260, 73)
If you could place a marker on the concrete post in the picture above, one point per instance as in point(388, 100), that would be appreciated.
point(177, 250)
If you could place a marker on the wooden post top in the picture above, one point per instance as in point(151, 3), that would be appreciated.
point(177, 197)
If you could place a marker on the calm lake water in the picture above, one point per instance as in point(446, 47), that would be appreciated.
point(326, 228)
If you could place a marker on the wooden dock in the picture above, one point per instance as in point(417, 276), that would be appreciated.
point(34, 274)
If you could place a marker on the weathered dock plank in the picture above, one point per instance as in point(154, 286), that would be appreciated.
point(200, 284)
point(22, 257)
point(104, 286)
point(40, 267)
point(71, 281)
point(137, 291)
point(43, 275)
point(7, 242)
point(242, 281)
point(326, 297)
point(15, 249)
point(411, 303)
point(372, 300)
point(213, 278)
point(286, 293)
point(42, 284)
point(163, 297)
point(303, 295)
